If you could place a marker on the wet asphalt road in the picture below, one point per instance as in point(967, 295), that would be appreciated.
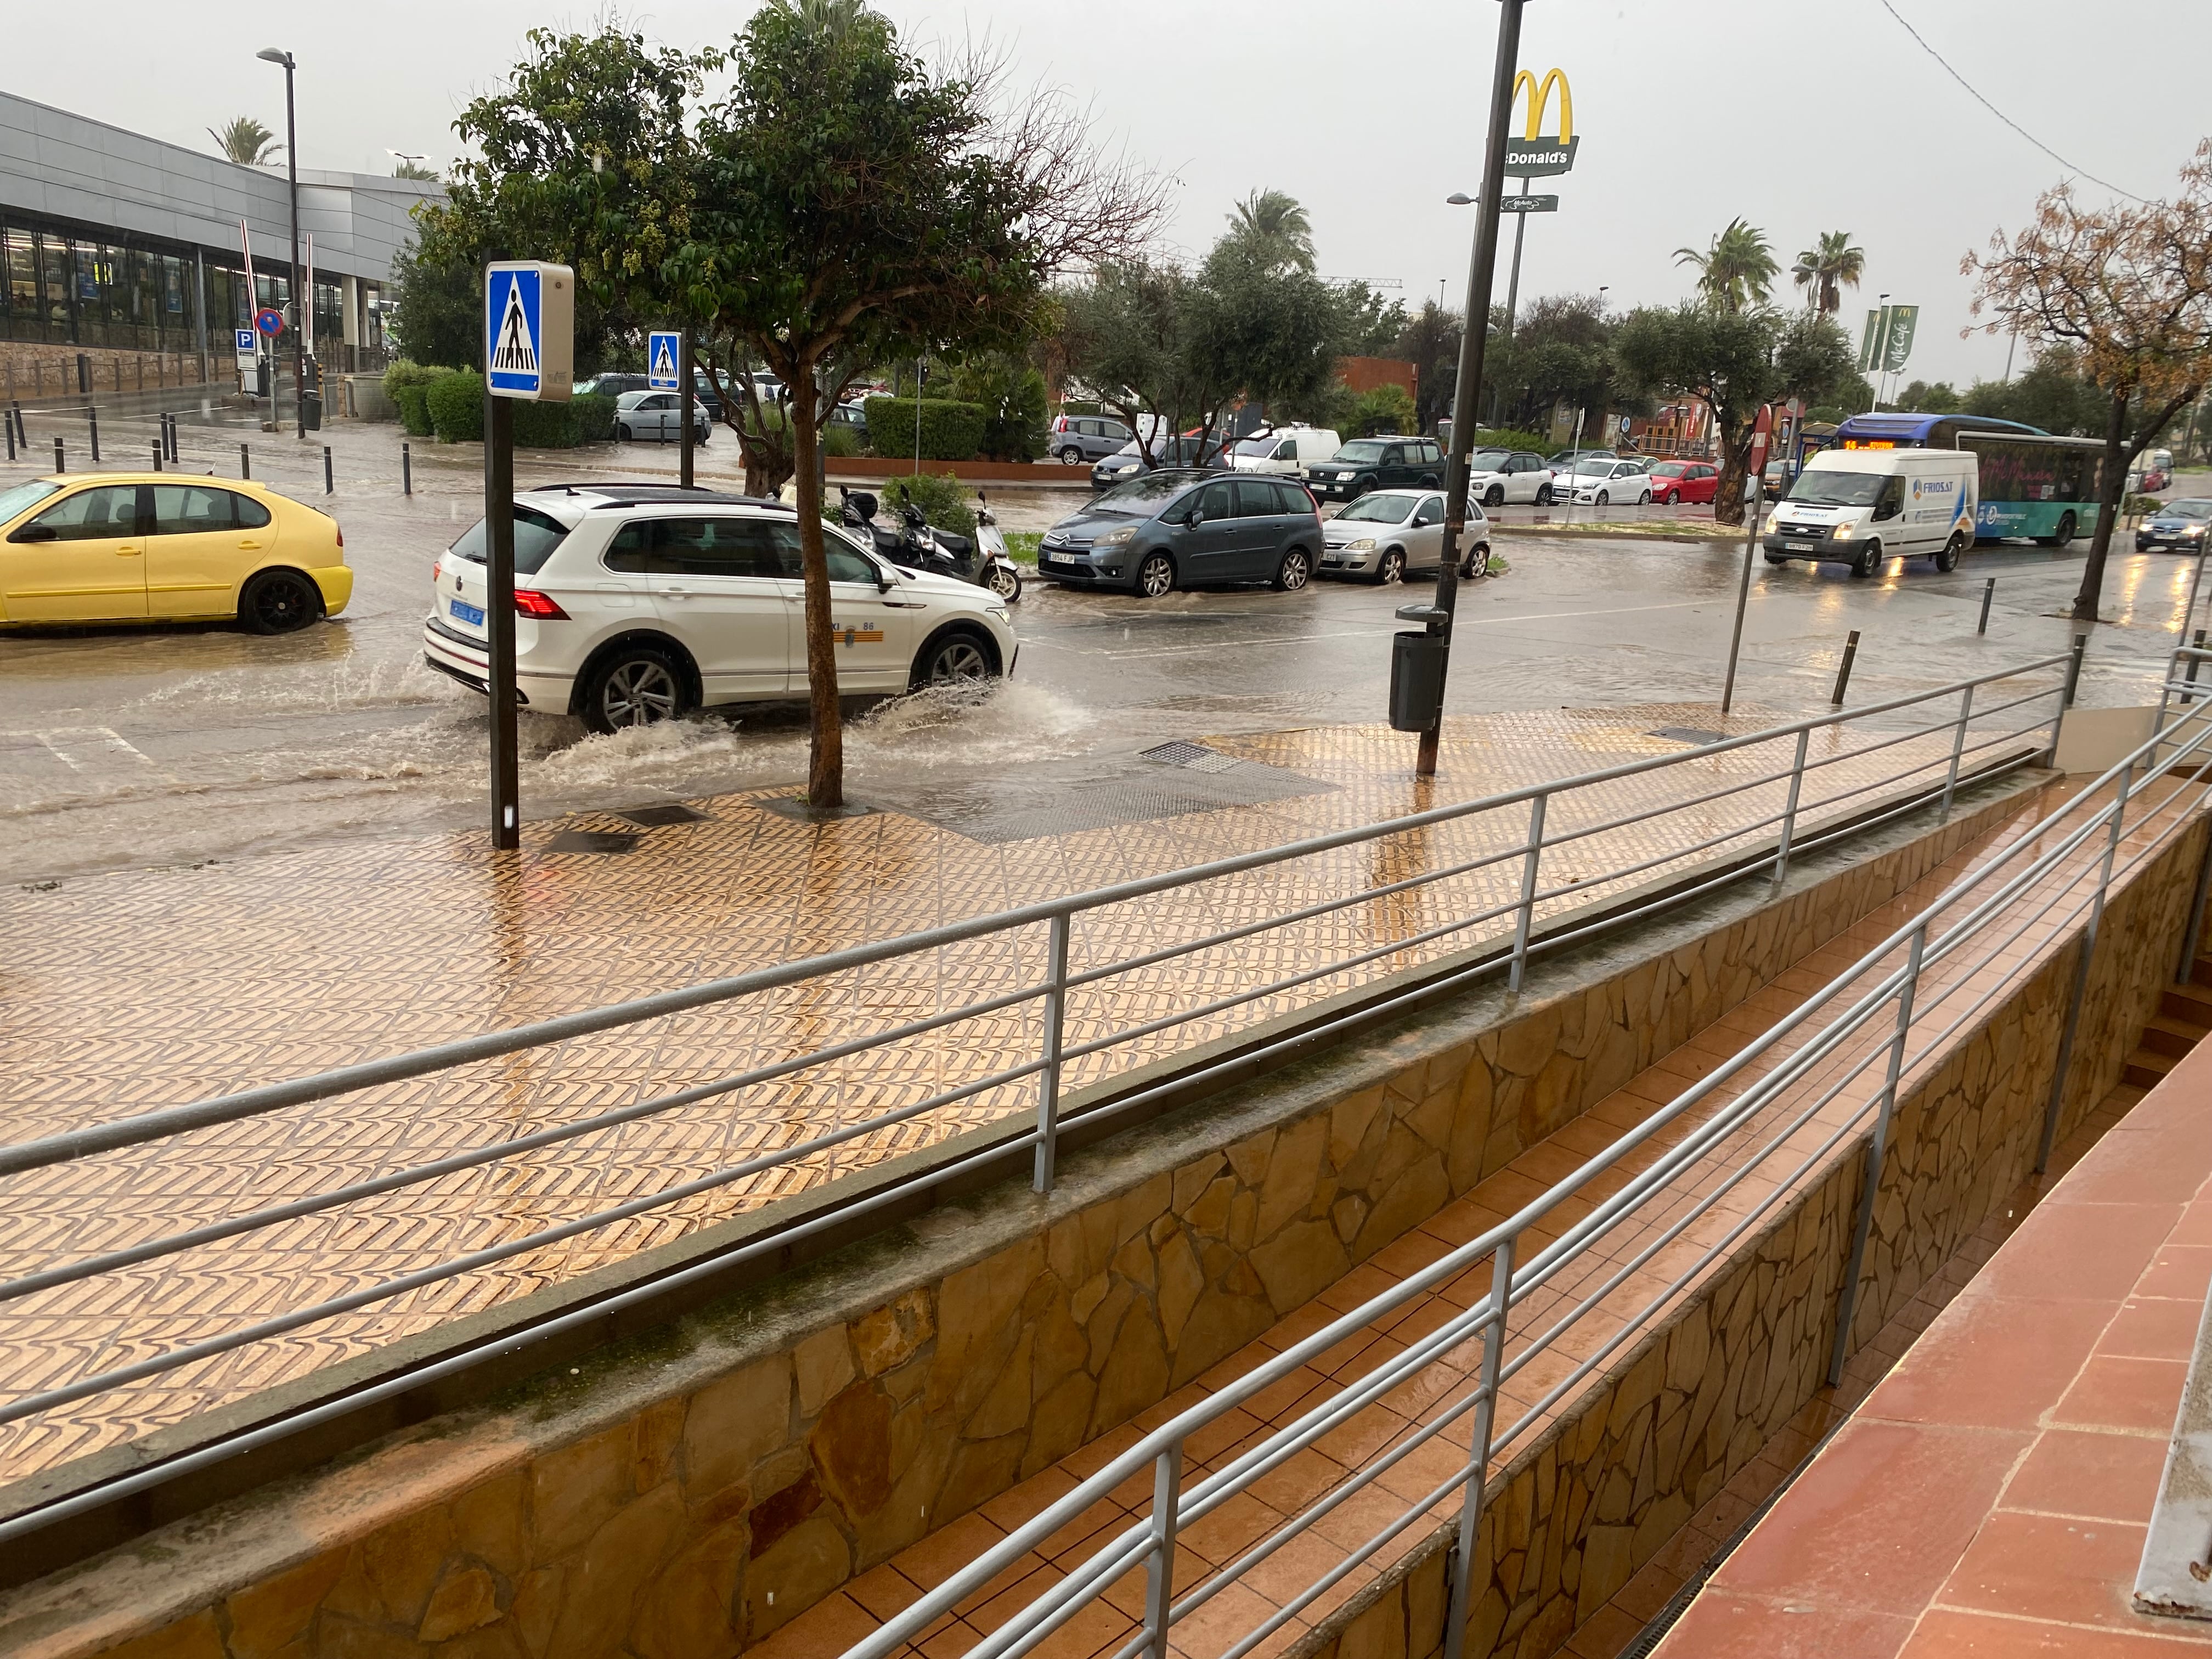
point(159, 745)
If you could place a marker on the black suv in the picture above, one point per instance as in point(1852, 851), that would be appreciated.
point(1161, 531)
point(1383, 463)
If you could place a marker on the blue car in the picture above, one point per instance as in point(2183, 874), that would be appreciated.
point(2177, 527)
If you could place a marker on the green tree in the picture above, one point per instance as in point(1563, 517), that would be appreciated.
point(1733, 361)
point(1921, 398)
point(585, 157)
point(1430, 343)
point(437, 317)
point(1738, 268)
point(1384, 409)
point(853, 205)
point(2052, 393)
point(1011, 394)
point(1561, 352)
point(409, 169)
point(1275, 229)
point(246, 142)
point(1827, 268)
point(1267, 333)
point(2129, 290)
point(1369, 326)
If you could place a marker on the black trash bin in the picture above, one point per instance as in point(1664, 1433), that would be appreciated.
point(1417, 680)
point(311, 411)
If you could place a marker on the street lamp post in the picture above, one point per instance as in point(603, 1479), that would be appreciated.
point(1482, 269)
point(303, 306)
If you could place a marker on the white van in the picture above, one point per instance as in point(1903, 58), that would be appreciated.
point(1288, 450)
point(1859, 506)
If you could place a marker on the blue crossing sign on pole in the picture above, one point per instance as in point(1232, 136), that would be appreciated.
point(662, 347)
point(529, 331)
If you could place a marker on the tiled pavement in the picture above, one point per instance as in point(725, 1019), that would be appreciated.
point(1991, 1497)
point(126, 993)
point(834, 1624)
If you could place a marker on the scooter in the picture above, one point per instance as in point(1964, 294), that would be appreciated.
point(918, 547)
point(1000, 574)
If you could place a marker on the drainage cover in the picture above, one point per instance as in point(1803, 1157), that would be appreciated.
point(592, 840)
point(1195, 756)
point(1689, 734)
point(653, 817)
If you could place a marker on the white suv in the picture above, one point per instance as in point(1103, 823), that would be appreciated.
point(635, 604)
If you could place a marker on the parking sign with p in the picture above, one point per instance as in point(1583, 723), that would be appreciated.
point(529, 331)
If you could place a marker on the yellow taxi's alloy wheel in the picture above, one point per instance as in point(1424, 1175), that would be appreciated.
point(279, 602)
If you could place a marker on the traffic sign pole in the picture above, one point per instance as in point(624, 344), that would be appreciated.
point(529, 332)
point(499, 619)
point(683, 404)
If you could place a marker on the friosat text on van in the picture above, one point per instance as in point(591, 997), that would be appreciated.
point(1859, 506)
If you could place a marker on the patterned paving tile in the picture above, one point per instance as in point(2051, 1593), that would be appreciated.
point(128, 992)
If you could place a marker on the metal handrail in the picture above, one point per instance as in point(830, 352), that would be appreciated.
point(1877, 983)
point(1054, 1051)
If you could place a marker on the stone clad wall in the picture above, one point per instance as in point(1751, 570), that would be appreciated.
point(683, 1501)
point(1575, 1513)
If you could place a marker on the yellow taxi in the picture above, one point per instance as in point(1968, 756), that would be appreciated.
point(158, 547)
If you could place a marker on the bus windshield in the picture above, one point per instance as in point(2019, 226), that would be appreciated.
point(1821, 487)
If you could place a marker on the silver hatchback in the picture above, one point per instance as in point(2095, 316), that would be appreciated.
point(650, 418)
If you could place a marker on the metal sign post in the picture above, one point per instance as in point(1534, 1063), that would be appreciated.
point(529, 343)
point(668, 368)
point(684, 400)
point(1482, 269)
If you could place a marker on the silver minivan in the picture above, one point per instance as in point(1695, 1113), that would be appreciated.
point(1075, 438)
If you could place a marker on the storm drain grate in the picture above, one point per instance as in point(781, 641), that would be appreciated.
point(592, 840)
point(654, 817)
point(1192, 756)
point(1695, 736)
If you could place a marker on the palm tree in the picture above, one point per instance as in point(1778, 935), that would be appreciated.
point(1277, 228)
point(246, 142)
point(1827, 268)
point(1737, 270)
point(408, 167)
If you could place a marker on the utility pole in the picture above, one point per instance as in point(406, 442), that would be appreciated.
point(1482, 269)
point(303, 306)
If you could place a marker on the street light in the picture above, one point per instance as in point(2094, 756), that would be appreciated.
point(303, 306)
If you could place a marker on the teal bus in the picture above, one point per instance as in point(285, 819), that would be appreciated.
point(2032, 483)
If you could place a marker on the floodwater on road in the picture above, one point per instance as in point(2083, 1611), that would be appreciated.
point(148, 745)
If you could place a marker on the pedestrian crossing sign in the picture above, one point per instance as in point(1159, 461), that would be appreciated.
point(529, 330)
point(660, 360)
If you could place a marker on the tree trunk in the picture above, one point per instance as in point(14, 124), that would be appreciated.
point(825, 759)
point(1728, 493)
point(2112, 484)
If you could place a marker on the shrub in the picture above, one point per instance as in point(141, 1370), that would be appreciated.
point(942, 498)
point(1384, 409)
point(408, 385)
point(2139, 506)
point(1080, 406)
point(840, 441)
point(949, 431)
point(456, 403)
point(564, 426)
point(1507, 438)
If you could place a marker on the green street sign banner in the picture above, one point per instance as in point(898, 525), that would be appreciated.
point(1528, 205)
point(1870, 342)
point(1902, 319)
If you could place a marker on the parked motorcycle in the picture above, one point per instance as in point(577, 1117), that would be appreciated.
point(918, 547)
point(1001, 576)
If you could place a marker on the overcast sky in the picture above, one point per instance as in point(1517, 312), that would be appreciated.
point(1802, 117)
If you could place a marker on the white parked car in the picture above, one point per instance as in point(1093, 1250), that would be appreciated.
point(1287, 450)
point(638, 604)
point(1389, 535)
point(1604, 479)
point(1496, 476)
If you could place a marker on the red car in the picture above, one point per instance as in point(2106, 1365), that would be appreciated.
point(1683, 481)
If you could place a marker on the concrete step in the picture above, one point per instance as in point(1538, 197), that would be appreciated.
point(2166, 1034)
point(2189, 1002)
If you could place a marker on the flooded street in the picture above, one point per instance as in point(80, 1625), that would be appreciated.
point(148, 745)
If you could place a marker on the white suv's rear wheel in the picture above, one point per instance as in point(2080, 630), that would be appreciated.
point(637, 686)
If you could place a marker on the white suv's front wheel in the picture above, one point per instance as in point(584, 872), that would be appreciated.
point(956, 658)
point(637, 686)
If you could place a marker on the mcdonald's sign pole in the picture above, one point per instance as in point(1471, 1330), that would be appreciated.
point(1481, 273)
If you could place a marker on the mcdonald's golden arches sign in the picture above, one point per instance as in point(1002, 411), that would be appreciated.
point(1531, 155)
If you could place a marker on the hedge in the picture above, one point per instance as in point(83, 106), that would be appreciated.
point(408, 385)
point(942, 498)
point(564, 426)
point(456, 402)
point(1506, 438)
point(949, 431)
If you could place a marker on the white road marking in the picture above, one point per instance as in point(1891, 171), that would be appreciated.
point(92, 742)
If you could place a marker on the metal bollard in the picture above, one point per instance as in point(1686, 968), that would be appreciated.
point(8, 421)
point(327, 485)
point(1844, 673)
point(1989, 592)
point(2074, 667)
point(60, 466)
point(91, 416)
point(245, 463)
point(406, 471)
point(157, 455)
